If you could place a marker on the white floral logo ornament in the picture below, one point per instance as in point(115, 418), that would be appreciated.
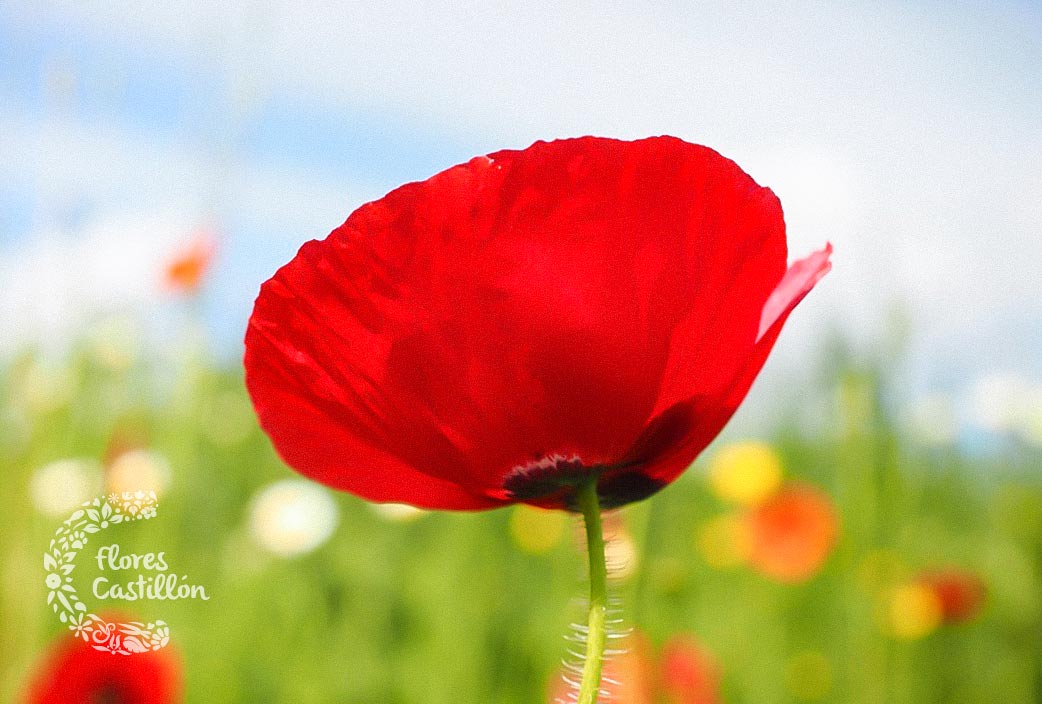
point(68, 541)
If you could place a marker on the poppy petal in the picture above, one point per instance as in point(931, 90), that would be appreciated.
point(313, 435)
point(800, 278)
point(524, 306)
point(677, 436)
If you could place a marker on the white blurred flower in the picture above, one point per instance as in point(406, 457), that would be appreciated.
point(138, 470)
point(292, 517)
point(1007, 404)
point(59, 487)
point(397, 513)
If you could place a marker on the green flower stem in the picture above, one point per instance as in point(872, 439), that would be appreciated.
point(596, 635)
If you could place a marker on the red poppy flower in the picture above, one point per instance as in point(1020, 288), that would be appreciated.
point(513, 325)
point(72, 672)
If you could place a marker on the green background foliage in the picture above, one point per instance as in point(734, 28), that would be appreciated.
point(447, 608)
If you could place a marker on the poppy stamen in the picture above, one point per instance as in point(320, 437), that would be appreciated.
point(549, 476)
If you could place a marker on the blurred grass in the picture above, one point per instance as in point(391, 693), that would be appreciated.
point(448, 609)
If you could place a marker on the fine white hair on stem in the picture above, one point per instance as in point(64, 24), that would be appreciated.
point(572, 666)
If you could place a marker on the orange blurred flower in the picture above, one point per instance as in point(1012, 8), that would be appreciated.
point(186, 268)
point(792, 532)
point(684, 673)
point(626, 678)
point(131, 433)
point(630, 676)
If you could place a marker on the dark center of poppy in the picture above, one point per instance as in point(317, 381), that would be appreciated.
point(555, 478)
point(108, 693)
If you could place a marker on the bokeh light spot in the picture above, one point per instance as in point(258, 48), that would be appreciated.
point(745, 473)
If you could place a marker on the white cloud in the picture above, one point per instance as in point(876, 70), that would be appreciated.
point(906, 135)
point(68, 162)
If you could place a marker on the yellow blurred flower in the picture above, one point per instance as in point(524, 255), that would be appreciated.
point(724, 541)
point(535, 530)
point(913, 611)
point(745, 473)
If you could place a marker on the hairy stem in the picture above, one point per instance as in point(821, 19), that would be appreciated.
point(596, 635)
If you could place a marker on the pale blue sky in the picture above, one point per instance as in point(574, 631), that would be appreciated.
point(908, 134)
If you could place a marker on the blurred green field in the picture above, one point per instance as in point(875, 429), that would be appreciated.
point(449, 608)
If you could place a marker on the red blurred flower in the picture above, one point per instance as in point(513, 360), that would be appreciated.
point(792, 533)
point(689, 673)
point(959, 592)
point(509, 327)
point(72, 672)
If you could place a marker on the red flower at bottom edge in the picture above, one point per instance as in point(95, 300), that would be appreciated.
point(72, 672)
point(513, 325)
